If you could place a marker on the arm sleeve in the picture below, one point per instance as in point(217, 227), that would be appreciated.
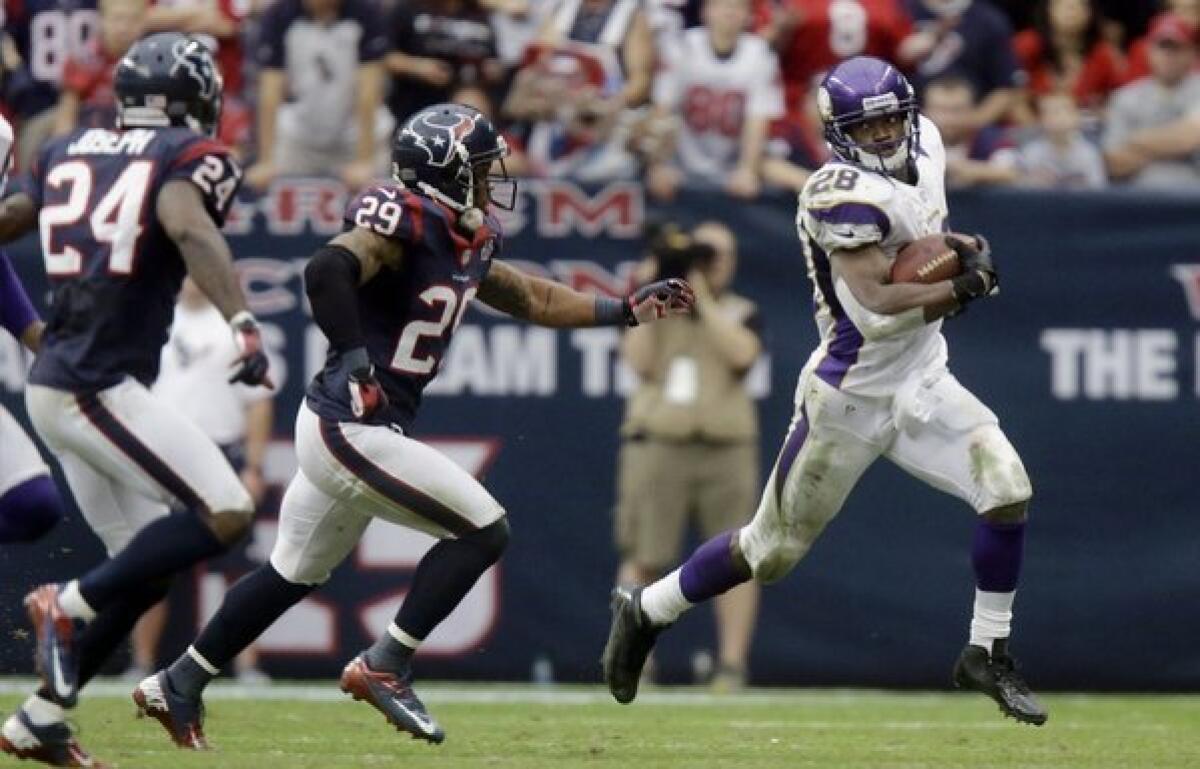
point(16, 311)
point(847, 226)
point(269, 53)
point(331, 283)
point(374, 42)
point(766, 94)
point(209, 165)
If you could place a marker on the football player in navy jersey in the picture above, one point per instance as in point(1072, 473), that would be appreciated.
point(388, 293)
point(123, 215)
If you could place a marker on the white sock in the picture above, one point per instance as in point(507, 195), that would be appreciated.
point(992, 618)
point(401, 637)
point(43, 712)
point(207, 666)
point(71, 601)
point(663, 601)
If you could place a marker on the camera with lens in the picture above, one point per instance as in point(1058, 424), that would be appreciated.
point(676, 253)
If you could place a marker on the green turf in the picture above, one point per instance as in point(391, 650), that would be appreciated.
point(831, 730)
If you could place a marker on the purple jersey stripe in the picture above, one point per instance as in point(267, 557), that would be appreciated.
point(842, 352)
point(853, 214)
point(111, 427)
point(396, 490)
point(16, 311)
point(787, 456)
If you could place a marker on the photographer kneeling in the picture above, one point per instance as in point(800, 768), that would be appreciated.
point(690, 435)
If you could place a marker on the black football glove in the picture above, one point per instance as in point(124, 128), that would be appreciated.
point(252, 362)
point(658, 300)
point(979, 277)
point(366, 394)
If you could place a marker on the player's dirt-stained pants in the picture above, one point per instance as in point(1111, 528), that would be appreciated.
point(350, 473)
point(933, 428)
point(128, 457)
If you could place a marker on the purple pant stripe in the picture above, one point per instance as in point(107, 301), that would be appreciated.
point(791, 449)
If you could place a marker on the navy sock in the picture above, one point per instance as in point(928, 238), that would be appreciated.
point(446, 574)
point(166, 546)
point(250, 607)
point(29, 510)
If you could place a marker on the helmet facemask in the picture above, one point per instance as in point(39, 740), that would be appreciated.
point(896, 157)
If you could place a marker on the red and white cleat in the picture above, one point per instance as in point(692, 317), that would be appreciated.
point(183, 718)
point(53, 744)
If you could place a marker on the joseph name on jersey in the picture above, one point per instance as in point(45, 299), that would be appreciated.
point(112, 268)
point(408, 315)
point(844, 206)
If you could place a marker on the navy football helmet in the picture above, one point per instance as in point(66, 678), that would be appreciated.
point(860, 89)
point(444, 151)
point(168, 79)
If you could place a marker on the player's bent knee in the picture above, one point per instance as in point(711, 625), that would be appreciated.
point(777, 561)
point(1000, 474)
point(229, 526)
point(492, 539)
point(29, 510)
point(1008, 514)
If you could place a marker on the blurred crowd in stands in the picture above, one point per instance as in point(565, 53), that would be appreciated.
point(1046, 93)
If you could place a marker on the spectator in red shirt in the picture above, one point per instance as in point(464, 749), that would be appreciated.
point(1065, 52)
point(87, 95)
point(811, 36)
point(1138, 65)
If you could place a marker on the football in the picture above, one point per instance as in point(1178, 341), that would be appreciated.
point(926, 260)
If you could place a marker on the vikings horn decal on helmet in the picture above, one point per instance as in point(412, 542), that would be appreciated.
point(445, 150)
point(863, 88)
point(168, 79)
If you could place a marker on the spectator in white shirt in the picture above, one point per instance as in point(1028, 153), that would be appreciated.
point(719, 87)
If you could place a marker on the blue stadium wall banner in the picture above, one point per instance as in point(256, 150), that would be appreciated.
point(1090, 356)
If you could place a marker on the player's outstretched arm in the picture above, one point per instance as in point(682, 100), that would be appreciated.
point(18, 215)
point(183, 216)
point(549, 303)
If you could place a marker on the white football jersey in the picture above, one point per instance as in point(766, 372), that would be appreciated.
point(845, 206)
point(714, 96)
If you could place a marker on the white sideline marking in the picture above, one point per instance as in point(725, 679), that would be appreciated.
point(487, 694)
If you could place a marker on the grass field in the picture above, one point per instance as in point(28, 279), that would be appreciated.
point(313, 728)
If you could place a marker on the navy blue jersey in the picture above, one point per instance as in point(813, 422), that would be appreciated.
point(113, 271)
point(408, 314)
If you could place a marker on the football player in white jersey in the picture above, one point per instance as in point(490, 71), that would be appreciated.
point(876, 386)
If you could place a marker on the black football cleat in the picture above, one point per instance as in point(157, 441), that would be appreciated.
point(52, 744)
point(182, 717)
point(392, 695)
point(630, 640)
point(57, 662)
point(997, 677)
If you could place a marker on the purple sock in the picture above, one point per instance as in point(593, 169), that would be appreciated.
point(996, 555)
point(710, 570)
point(29, 510)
